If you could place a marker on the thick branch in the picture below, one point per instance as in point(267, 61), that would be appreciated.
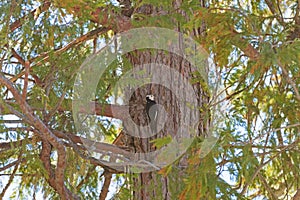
point(108, 110)
point(44, 131)
point(52, 177)
point(45, 158)
point(98, 146)
point(114, 111)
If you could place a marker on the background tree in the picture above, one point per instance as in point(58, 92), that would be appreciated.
point(254, 46)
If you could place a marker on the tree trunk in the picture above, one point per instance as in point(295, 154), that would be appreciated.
point(151, 185)
point(160, 66)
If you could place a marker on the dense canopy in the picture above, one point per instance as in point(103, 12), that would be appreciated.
point(253, 47)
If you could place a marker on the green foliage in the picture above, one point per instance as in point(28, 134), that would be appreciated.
point(160, 142)
point(262, 99)
point(257, 154)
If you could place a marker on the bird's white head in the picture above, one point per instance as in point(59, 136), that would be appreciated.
point(150, 96)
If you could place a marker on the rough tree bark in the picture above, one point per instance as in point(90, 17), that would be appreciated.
point(151, 185)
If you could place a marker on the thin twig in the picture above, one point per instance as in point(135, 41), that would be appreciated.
point(9, 165)
point(106, 184)
point(87, 176)
point(263, 180)
point(45, 56)
point(18, 23)
point(18, 57)
point(11, 178)
point(24, 93)
point(289, 80)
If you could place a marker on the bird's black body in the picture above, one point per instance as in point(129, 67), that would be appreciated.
point(152, 111)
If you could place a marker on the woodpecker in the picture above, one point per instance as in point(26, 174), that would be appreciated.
point(152, 111)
